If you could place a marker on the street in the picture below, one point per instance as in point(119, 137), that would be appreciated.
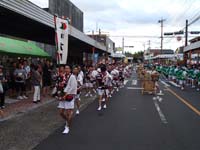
point(135, 121)
point(60, 58)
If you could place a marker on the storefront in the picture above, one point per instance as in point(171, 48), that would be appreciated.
point(11, 49)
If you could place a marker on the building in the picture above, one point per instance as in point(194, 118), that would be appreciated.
point(104, 40)
point(192, 51)
point(69, 10)
point(159, 56)
point(32, 23)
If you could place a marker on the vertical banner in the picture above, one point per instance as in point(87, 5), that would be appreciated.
point(61, 29)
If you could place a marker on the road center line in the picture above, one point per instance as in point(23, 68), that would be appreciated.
point(185, 102)
point(164, 83)
point(162, 116)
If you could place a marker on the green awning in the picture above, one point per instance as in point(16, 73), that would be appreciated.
point(20, 48)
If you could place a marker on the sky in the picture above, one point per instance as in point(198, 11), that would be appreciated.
point(137, 20)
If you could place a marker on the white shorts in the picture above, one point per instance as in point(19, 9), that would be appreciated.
point(181, 82)
point(102, 92)
point(66, 105)
point(89, 85)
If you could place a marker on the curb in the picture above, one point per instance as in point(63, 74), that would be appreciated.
point(21, 113)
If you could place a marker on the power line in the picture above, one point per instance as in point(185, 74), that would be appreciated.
point(195, 20)
point(134, 36)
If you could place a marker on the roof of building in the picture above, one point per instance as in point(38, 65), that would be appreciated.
point(158, 51)
point(195, 39)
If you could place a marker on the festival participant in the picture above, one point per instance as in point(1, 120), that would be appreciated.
point(155, 78)
point(198, 79)
point(79, 79)
point(115, 76)
point(66, 97)
point(110, 84)
point(81, 72)
point(94, 73)
point(88, 84)
point(121, 77)
point(102, 82)
point(181, 77)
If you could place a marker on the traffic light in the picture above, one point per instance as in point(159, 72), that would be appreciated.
point(194, 32)
point(179, 32)
point(168, 33)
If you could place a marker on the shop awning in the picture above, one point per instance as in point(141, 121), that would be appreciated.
point(20, 48)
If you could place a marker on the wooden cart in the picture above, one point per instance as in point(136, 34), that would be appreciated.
point(149, 83)
point(148, 86)
point(140, 72)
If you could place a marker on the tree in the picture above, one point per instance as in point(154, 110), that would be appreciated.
point(128, 54)
point(138, 56)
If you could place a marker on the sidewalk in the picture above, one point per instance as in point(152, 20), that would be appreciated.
point(16, 107)
point(26, 124)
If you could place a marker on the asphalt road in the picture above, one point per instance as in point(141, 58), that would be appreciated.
point(134, 121)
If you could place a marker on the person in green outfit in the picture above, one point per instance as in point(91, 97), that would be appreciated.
point(182, 75)
point(198, 79)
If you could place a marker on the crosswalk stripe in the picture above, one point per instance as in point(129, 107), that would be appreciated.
point(134, 88)
point(134, 82)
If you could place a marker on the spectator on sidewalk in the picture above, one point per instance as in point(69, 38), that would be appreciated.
point(20, 77)
point(27, 68)
point(2, 88)
point(46, 76)
point(36, 81)
point(12, 86)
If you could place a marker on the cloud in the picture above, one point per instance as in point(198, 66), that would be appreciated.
point(41, 3)
point(136, 17)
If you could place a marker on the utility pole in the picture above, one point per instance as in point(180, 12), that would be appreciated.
point(122, 45)
point(161, 43)
point(149, 43)
point(185, 56)
point(186, 33)
point(144, 46)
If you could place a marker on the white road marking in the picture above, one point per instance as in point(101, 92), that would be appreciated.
point(164, 83)
point(158, 98)
point(162, 116)
point(125, 82)
point(134, 82)
point(174, 84)
point(133, 109)
point(134, 88)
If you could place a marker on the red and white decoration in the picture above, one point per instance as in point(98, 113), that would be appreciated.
point(62, 30)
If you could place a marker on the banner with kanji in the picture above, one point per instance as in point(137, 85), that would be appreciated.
point(61, 29)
